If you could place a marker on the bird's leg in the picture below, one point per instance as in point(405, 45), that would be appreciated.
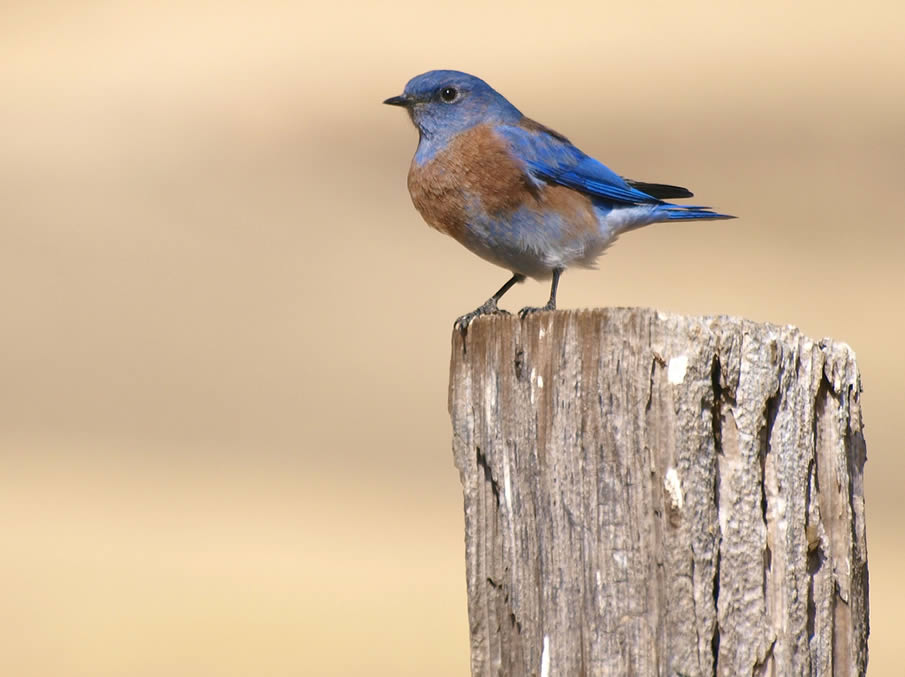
point(551, 304)
point(490, 305)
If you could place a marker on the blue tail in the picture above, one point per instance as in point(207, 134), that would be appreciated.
point(671, 212)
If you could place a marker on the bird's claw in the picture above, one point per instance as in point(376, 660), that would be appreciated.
point(489, 308)
point(530, 310)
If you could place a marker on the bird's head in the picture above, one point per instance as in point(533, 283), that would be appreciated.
point(444, 103)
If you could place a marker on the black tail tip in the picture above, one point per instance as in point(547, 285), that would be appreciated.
point(661, 191)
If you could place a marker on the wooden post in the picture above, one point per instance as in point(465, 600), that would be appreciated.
point(650, 494)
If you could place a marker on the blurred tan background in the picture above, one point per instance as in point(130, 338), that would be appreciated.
point(224, 445)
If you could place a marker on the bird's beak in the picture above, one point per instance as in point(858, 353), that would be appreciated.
point(398, 101)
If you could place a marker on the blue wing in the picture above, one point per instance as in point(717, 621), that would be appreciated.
point(550, 157)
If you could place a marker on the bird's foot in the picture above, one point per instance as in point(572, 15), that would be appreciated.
point(525, 312)
point(489, 308)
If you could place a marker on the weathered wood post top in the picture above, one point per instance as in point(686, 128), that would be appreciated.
point(651, 494)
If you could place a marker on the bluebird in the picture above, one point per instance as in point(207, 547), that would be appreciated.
point(515, 192)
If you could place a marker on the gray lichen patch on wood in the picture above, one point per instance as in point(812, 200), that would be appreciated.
point(653, 494)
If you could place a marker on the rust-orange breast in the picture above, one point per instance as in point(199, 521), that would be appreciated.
point(475, 191)
point(476, 166)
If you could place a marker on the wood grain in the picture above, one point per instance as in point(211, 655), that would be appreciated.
point(652, 494)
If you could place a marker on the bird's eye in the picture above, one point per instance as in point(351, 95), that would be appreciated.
point(449, 94)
